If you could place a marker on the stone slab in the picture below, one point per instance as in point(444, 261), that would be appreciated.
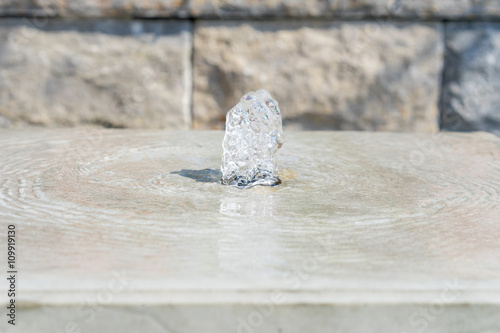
point(388, 10)
point(379, 232)
point(324, 75)
point(230, 9)
point(95, 8)
point(104, 73)
point(471, 93)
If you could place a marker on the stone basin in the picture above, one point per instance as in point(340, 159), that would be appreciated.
point(127, 230)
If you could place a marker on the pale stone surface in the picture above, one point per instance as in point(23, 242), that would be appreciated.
point(126, 229)
point(106, 73)
point(388, 9)
point(362, 76)
point(237, 318)
point(471, 94)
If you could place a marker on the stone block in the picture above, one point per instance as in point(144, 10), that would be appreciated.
point(96, 8)
point(346, 8)
point(107, 73)
point(349, 76)
point(471, 94)
point(228, 9)
point(37, 8)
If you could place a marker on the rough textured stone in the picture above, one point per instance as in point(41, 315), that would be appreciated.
point(96, 8)
point(109, 73)
point(471, 94)
point(27, 7)
point(256, 8)
point(355, 76)
point(347, 8)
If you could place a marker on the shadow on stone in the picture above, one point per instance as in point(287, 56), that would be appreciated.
point(202, 176)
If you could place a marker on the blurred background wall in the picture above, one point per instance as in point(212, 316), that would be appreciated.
point(375, 65)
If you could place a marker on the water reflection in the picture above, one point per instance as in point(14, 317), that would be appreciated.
point(247, 241)
point(250, 203)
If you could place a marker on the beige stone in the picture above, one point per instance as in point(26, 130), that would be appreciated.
point(96, 8)
point(386, 9)
point(106, 73)
point(351, 76)
point(128, 231)
point(227, 9)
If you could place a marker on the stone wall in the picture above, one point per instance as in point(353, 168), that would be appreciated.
point(388, 65)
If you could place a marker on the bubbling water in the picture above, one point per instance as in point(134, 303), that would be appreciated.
point(254, 134)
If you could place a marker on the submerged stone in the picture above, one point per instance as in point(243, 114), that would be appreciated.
point(253, 137)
